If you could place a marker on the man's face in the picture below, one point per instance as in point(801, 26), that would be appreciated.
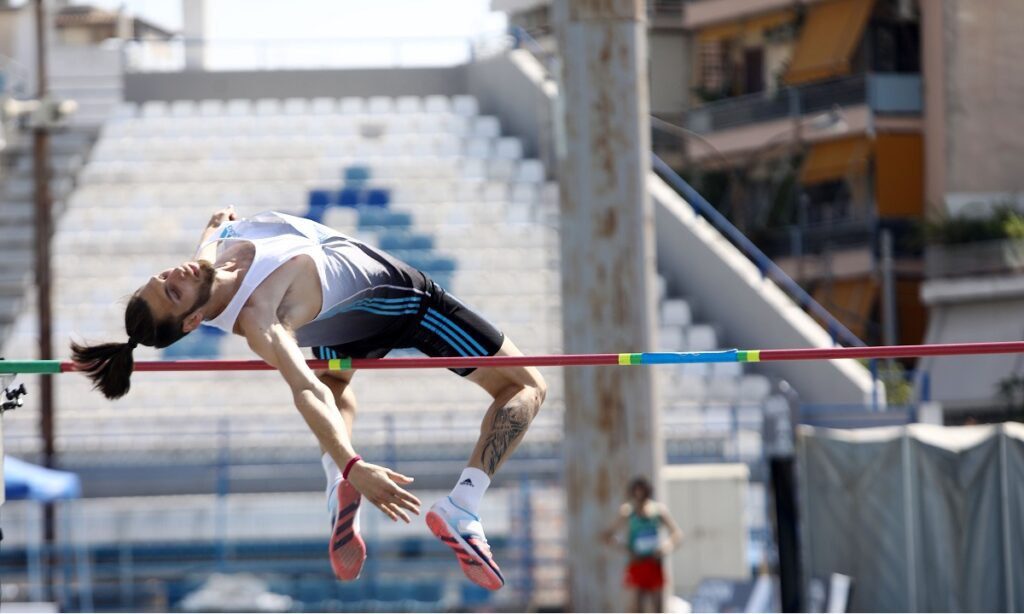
point(176, 293)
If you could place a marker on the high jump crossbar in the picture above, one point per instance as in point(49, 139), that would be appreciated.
point(564, 360)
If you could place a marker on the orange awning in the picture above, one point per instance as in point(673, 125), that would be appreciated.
point(828, 39)
point(734, 29)
point(899, 175)
point(836, 160)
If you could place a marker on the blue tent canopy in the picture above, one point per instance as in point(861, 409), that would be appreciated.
point(27, 481)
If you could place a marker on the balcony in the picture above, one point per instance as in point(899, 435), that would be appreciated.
point(981, 258)
point(858, 231)
point(884, 93)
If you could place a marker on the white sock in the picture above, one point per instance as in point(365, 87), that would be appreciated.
point(470, 489)
point(333, 479)
point(332, 472)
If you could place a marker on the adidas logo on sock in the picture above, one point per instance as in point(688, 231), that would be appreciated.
point(466, 482)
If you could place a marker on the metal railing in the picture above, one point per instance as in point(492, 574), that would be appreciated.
point(836, 329)
point(889, 93)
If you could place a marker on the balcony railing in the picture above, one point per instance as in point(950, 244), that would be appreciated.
point(859, 230)
point(883, 92)
point(1000, 257)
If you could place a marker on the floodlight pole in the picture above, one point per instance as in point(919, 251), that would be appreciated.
point(43, 234)
point(608, 271)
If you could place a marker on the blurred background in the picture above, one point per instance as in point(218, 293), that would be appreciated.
point(824, 172)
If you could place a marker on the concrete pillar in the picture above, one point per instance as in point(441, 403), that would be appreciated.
point(608, 271)
point(194, 31)
point(933, 67)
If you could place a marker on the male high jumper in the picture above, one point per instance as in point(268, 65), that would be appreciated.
point(285, 282)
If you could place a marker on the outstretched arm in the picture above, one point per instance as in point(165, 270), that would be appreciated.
point(226, 214)
point(276, 345)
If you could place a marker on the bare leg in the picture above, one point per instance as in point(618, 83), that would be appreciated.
point(658, 601)
point(518, 393)
point(637, 599)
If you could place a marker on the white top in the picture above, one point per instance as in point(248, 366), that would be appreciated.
point(345, 266)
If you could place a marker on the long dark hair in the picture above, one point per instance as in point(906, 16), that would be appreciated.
point(109, 365)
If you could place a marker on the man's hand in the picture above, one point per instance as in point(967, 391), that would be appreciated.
point(380, 486)
point(226, 214)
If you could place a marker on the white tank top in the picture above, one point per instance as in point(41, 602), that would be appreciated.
point(344, 265)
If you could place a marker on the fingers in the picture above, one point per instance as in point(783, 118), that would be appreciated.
point(409, 501)
point(393, 511)
point(398, 511)
point(398, 478)
point(387, 510)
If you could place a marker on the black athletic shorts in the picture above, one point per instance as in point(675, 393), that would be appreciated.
point(432, 321)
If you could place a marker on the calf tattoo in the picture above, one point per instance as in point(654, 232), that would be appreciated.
point(509, 423)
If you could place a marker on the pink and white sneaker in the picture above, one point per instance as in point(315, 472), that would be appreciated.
point(461, 531)
point(347, 550)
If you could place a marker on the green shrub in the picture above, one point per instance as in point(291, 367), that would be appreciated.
point(1005, 222)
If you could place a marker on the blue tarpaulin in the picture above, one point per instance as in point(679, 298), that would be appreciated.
point(27, 481)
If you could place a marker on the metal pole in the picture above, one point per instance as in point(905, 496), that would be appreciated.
point(888, 290)
point(43, 233)
point(607, 279)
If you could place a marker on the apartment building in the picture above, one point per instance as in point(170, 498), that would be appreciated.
point(805, 125)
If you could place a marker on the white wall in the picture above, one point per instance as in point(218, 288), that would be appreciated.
point(224, 85)
point(707, 502)
point(516, 88)
point(669, 71)
point(727, 289)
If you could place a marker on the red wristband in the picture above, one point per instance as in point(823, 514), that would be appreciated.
point(348, 466)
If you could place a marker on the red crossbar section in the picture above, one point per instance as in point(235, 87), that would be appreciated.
point(575, 360)
point(896, 351)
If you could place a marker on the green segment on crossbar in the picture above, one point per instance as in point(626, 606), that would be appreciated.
point(29, 366)
point(339, 364)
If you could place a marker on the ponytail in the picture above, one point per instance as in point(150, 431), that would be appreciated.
point(108, 365)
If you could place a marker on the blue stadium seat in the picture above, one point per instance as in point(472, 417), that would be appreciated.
point(313, 591)
point(378, 197)
point(393, 591)
point(443, 279)
point(319, 201)
point(320, 198)
point(350, 591)
point(430, 592)
point(404, 240)
point(473, 595)
point(204, 342)
point(432, 263)
point(356, 176)
point(350, 197)
point(373, 216)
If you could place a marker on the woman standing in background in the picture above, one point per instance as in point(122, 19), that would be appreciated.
point(643, 518)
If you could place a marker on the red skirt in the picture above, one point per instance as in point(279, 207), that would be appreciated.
point(645, 574)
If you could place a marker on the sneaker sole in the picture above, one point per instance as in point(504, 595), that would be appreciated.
point(346, 549)
point(476, 568)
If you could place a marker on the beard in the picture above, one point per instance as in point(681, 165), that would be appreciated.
point(206, 275)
